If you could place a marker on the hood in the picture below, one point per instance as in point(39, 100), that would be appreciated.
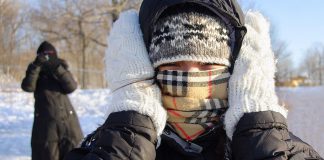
point(47, 48)
point(228, 10)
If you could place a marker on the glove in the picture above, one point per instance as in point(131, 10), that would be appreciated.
point(40, 60)
point(52, 64)
point(251, 86)
point(129, 72)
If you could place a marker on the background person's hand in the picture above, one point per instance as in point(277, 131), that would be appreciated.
point(52, 64)
point(252, 85)
point(40, 60)
point(130, 73)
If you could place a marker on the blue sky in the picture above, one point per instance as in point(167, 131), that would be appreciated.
point(300, 23)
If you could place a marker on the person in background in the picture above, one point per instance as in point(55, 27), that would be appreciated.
point(192, 80)
point(56, 129)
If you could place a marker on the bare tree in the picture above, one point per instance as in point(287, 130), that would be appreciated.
point(11, 21)
point(79, 28)
point(285, 65)
point(313, 64)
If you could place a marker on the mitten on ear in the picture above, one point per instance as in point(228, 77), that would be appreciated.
point(130, 73)
point(252, 84)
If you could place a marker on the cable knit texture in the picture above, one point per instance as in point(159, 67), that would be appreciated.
point(251, 86)
point(129, 72)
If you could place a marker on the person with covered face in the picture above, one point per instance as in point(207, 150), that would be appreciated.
point(56, 129)
point(192, 80)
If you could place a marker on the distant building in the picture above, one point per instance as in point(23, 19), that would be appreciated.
point(295, 82)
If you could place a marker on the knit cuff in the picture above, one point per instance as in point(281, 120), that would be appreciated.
point(145, 100)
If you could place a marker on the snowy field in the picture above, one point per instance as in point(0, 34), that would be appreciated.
point(16, 119)
point(16, 116)
point(306, 114)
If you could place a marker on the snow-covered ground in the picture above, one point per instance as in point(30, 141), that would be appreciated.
point(306, 114)
point(16, 116)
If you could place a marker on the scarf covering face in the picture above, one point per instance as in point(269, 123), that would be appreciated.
point(194, 101)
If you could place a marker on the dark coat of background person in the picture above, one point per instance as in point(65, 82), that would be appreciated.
point(130, 135)
point(55, 121)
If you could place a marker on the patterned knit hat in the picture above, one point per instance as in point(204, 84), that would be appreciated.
point(190, 35)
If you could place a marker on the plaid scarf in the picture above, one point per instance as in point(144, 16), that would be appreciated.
point(194, 100)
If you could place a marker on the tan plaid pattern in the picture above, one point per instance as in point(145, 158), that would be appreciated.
point(194, 100)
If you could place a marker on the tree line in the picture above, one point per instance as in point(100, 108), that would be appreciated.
point(77, 28)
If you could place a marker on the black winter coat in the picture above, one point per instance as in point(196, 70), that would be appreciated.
point(54, 116)
point(130, 135)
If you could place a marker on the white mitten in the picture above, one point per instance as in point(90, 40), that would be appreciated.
point(129, 72)
point(252, 85)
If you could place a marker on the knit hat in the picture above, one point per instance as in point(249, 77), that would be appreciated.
point(47, 48)
point(190, 35)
